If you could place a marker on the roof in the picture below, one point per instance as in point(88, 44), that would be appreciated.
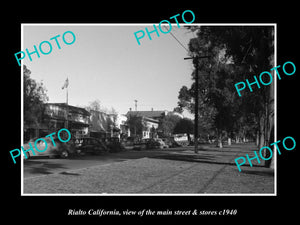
point(100, 121)
point(149, 114)
point(72, 109)
point(150, 119)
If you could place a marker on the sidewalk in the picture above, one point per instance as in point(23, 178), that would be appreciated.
point(210, 171)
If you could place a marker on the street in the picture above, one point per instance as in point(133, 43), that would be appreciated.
point(44, 166)
point(171, 171)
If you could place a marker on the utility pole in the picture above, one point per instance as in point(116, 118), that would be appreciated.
point(196, 62)
point(135, 104)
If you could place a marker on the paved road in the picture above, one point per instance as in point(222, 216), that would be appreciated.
point(43, 166)
point(180, 170)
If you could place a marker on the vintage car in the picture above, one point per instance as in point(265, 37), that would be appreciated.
point(90, 145)
point(140, 145)
point(58, 149)
point(170, 142)
point(150, 143)
point(161, 143)
point(114, 144)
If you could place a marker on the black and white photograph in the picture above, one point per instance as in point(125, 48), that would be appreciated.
point(142, 113)
point(148, 112)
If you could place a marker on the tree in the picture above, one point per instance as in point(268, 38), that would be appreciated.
point(168, 123)
point(235, 54)
point(184, 126)
point(136, 124)
point(34, 97)
point(185, 99)
point(96, 105)
point(216, 96)
point(250, 48)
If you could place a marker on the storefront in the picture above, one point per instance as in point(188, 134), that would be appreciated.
point(55, 118)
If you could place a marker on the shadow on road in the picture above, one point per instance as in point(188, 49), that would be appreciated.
point(41, 167)
point(269, 173)
point(69, 173)
point(209, 155)
point(189, 158)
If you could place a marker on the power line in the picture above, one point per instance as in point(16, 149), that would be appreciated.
point(177, 40)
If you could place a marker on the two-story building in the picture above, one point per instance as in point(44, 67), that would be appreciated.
point(153, 114)
point(61, 115)
point(149, 120)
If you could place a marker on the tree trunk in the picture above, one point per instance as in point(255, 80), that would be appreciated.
point(220, 145)
point(189, 138)
point(261, 132)
point(229, 141)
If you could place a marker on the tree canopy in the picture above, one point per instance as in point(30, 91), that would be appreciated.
point(34, 97)
point(236, 53)
point(167, 124)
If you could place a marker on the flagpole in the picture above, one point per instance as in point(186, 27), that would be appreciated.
point(67, 95)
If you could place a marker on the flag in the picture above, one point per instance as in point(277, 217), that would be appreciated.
point(66, 84)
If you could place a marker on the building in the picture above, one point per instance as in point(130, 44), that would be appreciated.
point(151, 121)
point(103, 125)
point(153, 114)
point(146, 123)
point(150, 130)
point(77, 122)
point(121, 124)
point(33, 130)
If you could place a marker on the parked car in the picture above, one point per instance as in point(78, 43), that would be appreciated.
point(161, 143)
point(171, 142)
point(90, 145)
point(151, 143)
point(128, 144)
point(140, 145)
point(114, 144)
point(155, 143)
point(60, 149)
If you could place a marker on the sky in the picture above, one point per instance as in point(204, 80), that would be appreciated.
point(106, 63)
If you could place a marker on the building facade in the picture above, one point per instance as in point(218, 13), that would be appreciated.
point(144, 124)
point(152, 114)
point(103, 125)
point(100, 124)
point(61, 115)
point(150, 129)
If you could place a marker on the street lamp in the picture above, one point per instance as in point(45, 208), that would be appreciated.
point(196, 61)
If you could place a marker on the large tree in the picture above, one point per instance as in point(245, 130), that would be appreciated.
point(184, 126)
point(34, 97)
point(251, 49)
point(136, 125)
point(167, 124)
point(96, 105)
point(236, 53)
